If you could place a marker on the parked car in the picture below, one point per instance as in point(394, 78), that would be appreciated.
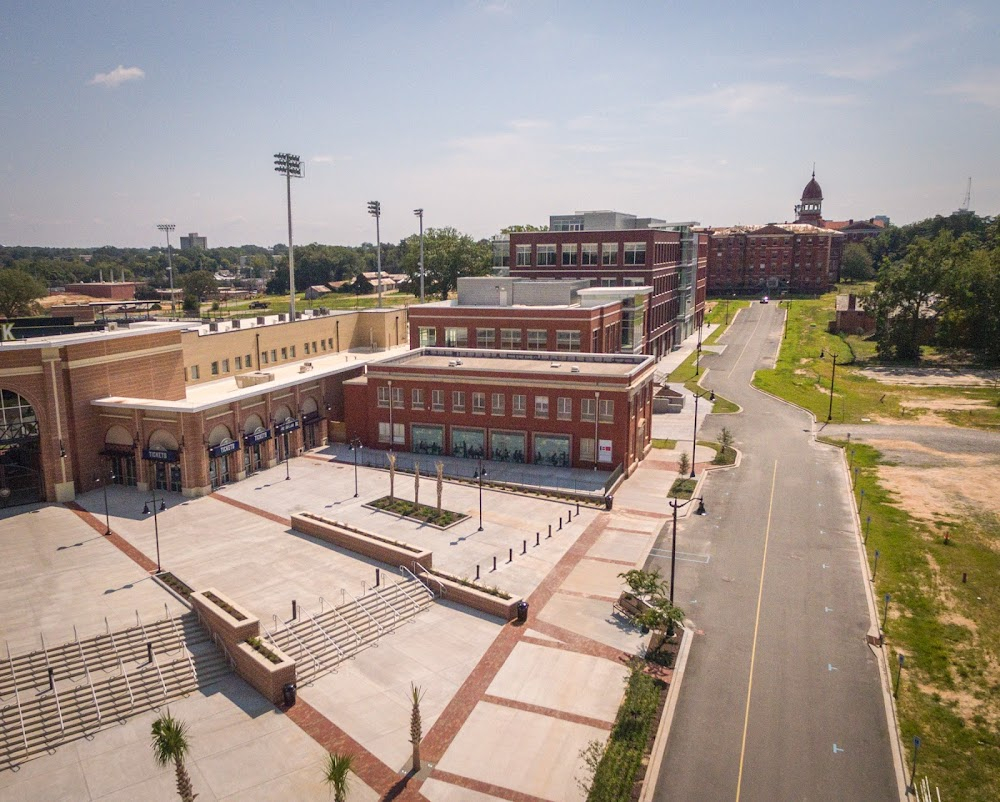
point(259, 305)
point(764, 300)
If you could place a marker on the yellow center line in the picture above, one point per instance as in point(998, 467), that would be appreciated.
point(756, 627)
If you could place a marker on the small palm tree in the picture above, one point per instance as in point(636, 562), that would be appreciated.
point(170, 745)
point(338, 775)
point(416, 727)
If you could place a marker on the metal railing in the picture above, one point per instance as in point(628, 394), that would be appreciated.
point(301, 645)
point(55, 691)
point(121, 665)
point(406, 593)
point(354, 632)
point(17, 699)
point(364, 609)
point(325, 634)
point(407, 572)
point(86, 668)
point(387, 603)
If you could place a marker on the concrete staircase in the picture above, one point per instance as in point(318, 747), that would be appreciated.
point(57, 694)
point(319, 641)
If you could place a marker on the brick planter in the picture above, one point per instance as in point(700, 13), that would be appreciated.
point(471, 597)
point(361, 542)
point(267, 677)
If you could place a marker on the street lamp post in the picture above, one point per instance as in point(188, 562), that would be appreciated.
point(102, 480)
point(833, 378)
point(676, 505)
point(697, 359)
point(913, 771)
point(375, 210)
point(156, 523)
point(694, 439)
point(899, 675)
point(391, 431)
point(356, 447)
point(885, 611)
point(290, 166)
point(420, 213)
point(167, 228)
point(480, 473)
point(597, 417)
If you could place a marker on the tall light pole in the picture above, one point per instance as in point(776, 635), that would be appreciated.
point(420, 213)
point(479, 475)
point(676, 505)
point(375, 210)
point(833, 378)
point(166, 228)
point(597, 416)
point(103, 481)
point(391, 431)
point(694, 438)
point(156, 523)
point(290, 166)
point(356, 447)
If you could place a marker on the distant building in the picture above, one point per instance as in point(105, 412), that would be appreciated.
point(112, 290)
point(192, 241)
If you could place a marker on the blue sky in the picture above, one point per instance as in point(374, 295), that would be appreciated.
point(117, 116)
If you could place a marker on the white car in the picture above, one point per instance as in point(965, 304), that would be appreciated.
point(764, 300)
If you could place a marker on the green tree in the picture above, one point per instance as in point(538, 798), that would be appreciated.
point(337, 775)
point(416, 727)
point(645, 584)
point(661, 617)
point(448, 254)
point(856, 263)
point(201, 284)
point(170, 745)
point(19, 294)
point(520, 229)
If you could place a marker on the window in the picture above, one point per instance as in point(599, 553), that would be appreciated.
point(510, 339)
point(546, 255)
point(519, 405)
point(417, 398)
point(569, 255)
point(497, 403)
point(632, 281)
point(541, 406)
point(248, 361)
point(383, 431)
point(225, 366)
point(195, 373)
point(397, 397)
point(609, 253)
point(239, 363)
point(587, 449)
point(305, 347)
point(567, 341)
point(330, 340)
point(458, 401)
point(456, 337)
point(588, 254)
point(314, 346)
point(588, 409)
point(264, 358)
point(215, 368)
point(437, 400)
point(607, 411)
point(635, 253)
point(538, 339)
point(523, 255)
point(609, 282)
point(428, 336)
point(398, 432)
point(293, 352)
point(383, 396)
point(323, 344)
point(486, 338)
point(564, 408)
point(479, 403)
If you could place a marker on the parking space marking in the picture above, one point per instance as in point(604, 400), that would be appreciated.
point(686, 556)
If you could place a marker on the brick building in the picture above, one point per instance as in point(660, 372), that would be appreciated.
point(535, 315)
point(560, 409)
point(613, 249)
point(174, 406)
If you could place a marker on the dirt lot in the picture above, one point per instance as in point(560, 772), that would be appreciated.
point(932, 376)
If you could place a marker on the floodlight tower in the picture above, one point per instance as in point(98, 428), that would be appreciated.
point(375, 210)
point(420, 213)
point(289, 166)
point(167, 228)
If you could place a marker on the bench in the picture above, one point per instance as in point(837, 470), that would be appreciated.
point(629, 605)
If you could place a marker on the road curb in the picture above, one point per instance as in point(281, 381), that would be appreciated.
point(663, 731)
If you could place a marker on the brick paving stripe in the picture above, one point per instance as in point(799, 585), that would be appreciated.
point(117, 541)
point(250, 508)
point(484, 788)
point(562, 715)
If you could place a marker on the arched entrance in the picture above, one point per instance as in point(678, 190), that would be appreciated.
point(164, 453)
point(284, 424)
point(311, 435)
point(119, 450)
point(20, 456)
point(220, 446)
point(254, 437)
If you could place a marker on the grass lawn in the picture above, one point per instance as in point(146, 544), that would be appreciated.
point(663, 442)
point(682, 488)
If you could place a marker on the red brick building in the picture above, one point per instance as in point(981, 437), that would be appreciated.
point(611, 249)
point(536, 315)
point(577, 410)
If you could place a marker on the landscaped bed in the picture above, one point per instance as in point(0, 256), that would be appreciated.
point(418, 512)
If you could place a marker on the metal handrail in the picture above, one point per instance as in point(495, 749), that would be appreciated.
point(177, 634)
point(365, 611)
point(322, 630)
point(86, 668)
point(417, 579)
point(385, 601)
point(225, 651)
point(302, 646)
point(357, 635)
point(17, 698)
point(156, 665)
point(406, 593)
point(128, 685)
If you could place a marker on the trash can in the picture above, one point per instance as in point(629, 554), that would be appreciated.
point(609, 502)
point(522, 612)
point(289, 693)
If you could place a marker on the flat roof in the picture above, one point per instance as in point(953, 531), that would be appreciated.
point(201, 397)
point(452, 360)
point(134, 329)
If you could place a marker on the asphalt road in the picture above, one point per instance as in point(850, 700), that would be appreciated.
point(781, 699)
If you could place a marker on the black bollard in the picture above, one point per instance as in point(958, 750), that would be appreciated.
point(524, 547)
point(378, 577)
point(295, 609)
point(149, 651)
point(52, 679)
point(550, 532)
point(578, 508)
point(510, 555)
point(494, 563)
point(538, 538)
point(477, 572)
point(560, 523)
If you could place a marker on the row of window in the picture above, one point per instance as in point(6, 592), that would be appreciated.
point(221, 367)
point(510, 339)
point(498, 404)
point(586, 255)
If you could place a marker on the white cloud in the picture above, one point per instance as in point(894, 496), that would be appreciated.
point(982, 87)
point(323, 159)
point(753, 97)
point(117, 76)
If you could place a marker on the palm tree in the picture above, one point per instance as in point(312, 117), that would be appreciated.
point(338, 775)
point(416, 728)
point(170, 745)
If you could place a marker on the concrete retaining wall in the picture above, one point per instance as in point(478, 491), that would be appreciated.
point(362, 542)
